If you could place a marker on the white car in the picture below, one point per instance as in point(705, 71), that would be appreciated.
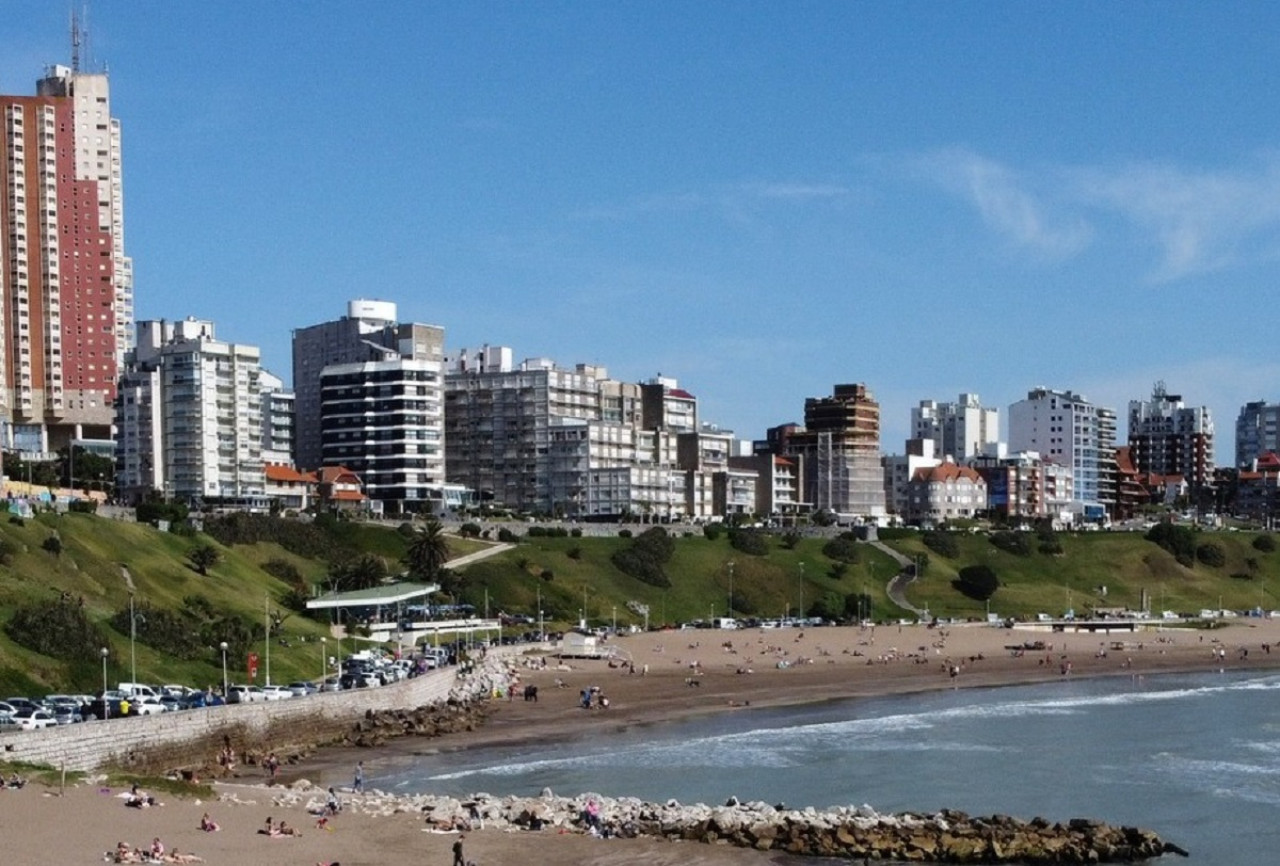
point(145, 706)
point(244, 694)
point(30, 720)
point(276, 693)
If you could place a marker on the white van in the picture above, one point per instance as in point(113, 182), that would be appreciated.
point(726, 622)
point(138, 690)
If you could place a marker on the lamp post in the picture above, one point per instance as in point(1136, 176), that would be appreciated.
point(729, 610)
point(615, 619)
point(133, 638)
point(106, 707)
point(800, 612)
point(223, 647)
point(324, 665)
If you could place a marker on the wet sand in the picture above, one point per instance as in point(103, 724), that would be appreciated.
point(786, 667)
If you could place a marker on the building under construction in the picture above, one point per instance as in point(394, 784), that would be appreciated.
point(839, 449)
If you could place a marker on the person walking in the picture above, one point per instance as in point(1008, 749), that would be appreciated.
point(358, 784)
point(457, 851)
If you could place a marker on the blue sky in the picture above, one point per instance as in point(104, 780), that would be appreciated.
point(761, 199)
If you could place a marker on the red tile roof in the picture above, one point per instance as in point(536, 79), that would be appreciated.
point(288, 473)
point(947, 472)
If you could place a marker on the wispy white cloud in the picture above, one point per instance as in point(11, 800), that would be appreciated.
point(795, 191)
point(1008, 202)
point(1201, 220)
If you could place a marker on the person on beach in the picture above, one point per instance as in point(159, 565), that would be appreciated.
point(333, 805)
point(457, 851)
point(357, 784)
point(207, 824)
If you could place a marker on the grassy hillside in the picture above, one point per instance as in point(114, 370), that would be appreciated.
point(569, 576)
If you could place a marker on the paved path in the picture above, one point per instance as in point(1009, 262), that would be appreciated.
point(897, 588)
point(462, 561)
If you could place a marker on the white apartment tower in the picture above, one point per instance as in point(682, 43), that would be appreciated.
point(1067, 429)
point(959, 430)
point(189, 419)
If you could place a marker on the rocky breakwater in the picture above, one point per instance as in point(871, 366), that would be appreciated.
point(858, 833)
point(453, 716)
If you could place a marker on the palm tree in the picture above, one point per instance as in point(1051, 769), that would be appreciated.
point(428, 551)
point(204, 557)
point(364, 572)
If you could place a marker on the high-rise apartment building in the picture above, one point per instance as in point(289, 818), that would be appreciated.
point(66, 316)
point(1067, 429)
point(1167, 437)
point(189, 418)
point(278, 426)
point(959, 430)
point(384, 420)
point(1257, 432)
point(369, 332)
point(839, 451)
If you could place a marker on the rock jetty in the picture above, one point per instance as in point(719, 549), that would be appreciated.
point(852, 832)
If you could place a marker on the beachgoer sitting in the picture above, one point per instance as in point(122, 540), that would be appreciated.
point(157, 849)
point(322, 823)
point(285, 830)
point(269, 828)
point(16, 781)
point(208, 825)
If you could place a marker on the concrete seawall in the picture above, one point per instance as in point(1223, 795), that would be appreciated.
point(171, 739)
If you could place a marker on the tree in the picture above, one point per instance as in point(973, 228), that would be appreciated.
point(363, 572)
point(428, 551)
point(204, 557)
point(978, 582)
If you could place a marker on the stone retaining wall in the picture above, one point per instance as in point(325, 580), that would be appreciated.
point(170, 739)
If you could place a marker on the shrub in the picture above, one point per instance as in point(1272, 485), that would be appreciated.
point(574, 553)
point(941, 543)
point(576, 532)
point(1051, 547)
point(7, 551)
point(978, 582)
point(1177, 540)
point(645, 557)
point(842, 549)
point(61, 630)
point(1211, 554)
point(204, 557)
point(749, 541)
point(506, 536)
point(838, 570)
point(624, 533)
point(1264, 543)
point(712, 531)
point(547, 574)
point(175, 633)
point(469, 530)
point(791, 540)
point(17, 521)
point(53, 544)
point(284, 570)
point(406, 530)
point(1016, 543)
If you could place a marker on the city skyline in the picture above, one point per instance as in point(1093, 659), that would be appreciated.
point(929, 200)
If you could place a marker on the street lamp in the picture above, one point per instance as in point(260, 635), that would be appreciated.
point(133, 637)
point(324, 666)
point(729, 612)
point(615, 619)
point(106, 707)
point(223, 646)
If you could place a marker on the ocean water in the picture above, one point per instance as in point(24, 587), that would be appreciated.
point(1195, 758)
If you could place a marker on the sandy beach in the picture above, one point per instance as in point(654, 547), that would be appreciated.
point(676, 674)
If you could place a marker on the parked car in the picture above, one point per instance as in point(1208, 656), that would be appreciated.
point(33, 719)
point(331, 684)
point(147, 705)
point(302, 689)
point(65, 709)
point(23, 703)
point(276, 693)
point(244, 694)
point(7, 709)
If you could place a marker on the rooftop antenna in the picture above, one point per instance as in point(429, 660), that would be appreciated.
point(75, 41)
